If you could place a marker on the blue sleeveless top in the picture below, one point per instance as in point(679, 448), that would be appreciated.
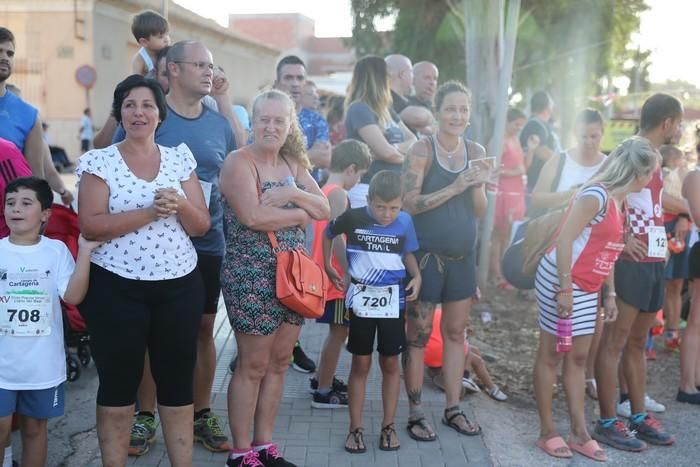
point(449, 229)
point(17, 118)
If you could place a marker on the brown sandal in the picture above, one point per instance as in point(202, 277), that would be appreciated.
point(358, 439)
point(386, 436)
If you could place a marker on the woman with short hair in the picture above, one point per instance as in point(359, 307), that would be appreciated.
point(144, 201)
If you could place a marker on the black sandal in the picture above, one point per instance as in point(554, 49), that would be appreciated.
point(422, 423)
point(449, 421)
point(359, 441)
point(385, 438)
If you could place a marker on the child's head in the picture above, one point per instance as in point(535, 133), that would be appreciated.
point(150, 30)
point(27, 205)
point(350, 158)
point(385, 196)
point(672, 157)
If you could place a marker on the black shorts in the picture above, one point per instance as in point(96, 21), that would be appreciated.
point(445, 279)
point(390, 332)
point(84, 145)
point(335, 313)
point(125, 317)
point(640, 285)
point(694, 262)
point(210, 269)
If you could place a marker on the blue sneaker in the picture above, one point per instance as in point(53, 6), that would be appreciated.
point(651, 431)
point(618, 436)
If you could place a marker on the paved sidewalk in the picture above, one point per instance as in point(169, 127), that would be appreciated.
point(315, 437)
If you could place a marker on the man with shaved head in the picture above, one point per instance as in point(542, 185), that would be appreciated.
point(400, 72)
point(425, 81)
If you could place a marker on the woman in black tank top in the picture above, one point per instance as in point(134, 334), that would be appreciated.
point(444, 196)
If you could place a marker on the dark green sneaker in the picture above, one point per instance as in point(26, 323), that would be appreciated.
point(143, 434)
point(207, 431)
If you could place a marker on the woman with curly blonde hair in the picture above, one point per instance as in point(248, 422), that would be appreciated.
point(266, 187)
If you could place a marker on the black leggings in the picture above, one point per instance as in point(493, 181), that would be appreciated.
point(125, 317)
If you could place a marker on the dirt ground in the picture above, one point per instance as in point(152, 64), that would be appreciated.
point(508, 344)
point(509, 341)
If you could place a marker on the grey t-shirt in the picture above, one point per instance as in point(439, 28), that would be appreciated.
point(210, 139)
point(360, 115)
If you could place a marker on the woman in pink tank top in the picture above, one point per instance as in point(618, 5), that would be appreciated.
point(568, 281)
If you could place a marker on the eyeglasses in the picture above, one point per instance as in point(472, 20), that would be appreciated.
point(199, 65)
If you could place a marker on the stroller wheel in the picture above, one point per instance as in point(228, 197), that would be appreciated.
point(72, 368)
point(84, 355)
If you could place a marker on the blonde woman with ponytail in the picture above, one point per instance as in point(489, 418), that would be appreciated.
point(569, 279)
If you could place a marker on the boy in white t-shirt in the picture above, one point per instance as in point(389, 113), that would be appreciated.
point(35, 272)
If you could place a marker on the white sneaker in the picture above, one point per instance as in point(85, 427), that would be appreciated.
point(496, 394)
point(470, 386)
point(624, 409)
point(652, 406)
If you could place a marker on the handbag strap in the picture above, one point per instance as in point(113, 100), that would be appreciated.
point(271, 235)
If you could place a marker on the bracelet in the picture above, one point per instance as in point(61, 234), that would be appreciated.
point(610, 294)
point(565, 274)
point(568, 291)
point(684, 216)
point(62, 192)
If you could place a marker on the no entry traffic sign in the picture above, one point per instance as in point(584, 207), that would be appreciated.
point(86, 76)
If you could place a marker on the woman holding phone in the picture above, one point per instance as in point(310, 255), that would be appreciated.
point(445, 196)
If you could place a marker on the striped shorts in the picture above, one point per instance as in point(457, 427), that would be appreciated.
point(335, 313)
point(585, 303)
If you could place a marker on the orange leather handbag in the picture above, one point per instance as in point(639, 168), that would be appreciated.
point(300, 284)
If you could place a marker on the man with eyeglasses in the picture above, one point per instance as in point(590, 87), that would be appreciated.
point(210, 138)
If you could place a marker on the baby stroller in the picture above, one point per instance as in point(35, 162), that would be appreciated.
point(63, 226)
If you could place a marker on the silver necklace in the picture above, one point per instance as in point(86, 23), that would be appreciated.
point(449, 154)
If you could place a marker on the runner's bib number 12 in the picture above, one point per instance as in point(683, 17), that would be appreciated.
point(376, 302)
point(657, 242)
point(25, 315)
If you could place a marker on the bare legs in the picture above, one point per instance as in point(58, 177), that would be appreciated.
point(500, 242)
point(627, 333)
point(328, 361)
point(419, 325)
point(357, 383)
point(177, 425)
point(673, 304)
point(255, 389)
point(455, 316)
point(34, 439)
point(205, 366)
point(391, 385)
point(114, 428)
point(545, 376)
point(690, 346)
point(591, 387)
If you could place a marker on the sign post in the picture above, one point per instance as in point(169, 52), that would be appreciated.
point(86, 76)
